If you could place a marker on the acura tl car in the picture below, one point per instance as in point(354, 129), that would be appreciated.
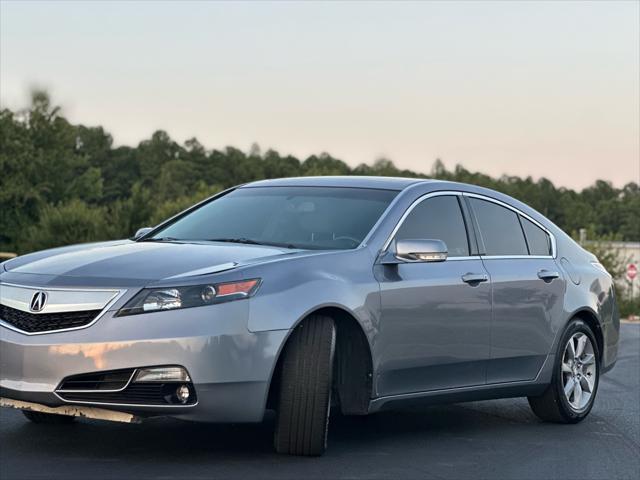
point(300, 295)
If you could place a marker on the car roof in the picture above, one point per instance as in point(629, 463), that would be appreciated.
point(399, 184)
point(385, 183)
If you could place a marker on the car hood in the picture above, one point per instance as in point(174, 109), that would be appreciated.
point(136, 262)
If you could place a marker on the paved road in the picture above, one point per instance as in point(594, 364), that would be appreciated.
point(498, 440)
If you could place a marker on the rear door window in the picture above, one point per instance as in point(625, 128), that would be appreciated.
point(500, 228)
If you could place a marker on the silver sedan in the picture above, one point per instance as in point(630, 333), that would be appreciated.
point(305, 294)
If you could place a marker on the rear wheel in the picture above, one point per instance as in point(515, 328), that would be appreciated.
point(570, 396)
point(304, 402)
point(47, 418)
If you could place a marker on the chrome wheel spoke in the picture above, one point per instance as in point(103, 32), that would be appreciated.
point(577, 395)
point(569, 387)
point(588, 359)
point(581, 341)
point(566, 368)
point(587, 384)
point(571, 349)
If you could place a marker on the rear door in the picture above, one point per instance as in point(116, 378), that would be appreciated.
point(436, 319)
point(527, 288)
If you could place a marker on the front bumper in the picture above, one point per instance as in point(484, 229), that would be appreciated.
point(230, 367)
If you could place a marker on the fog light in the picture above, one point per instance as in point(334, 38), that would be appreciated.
point(162, 374)
point(183, 393)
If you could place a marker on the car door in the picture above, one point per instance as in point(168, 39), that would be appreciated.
point(527, 288)
point(436, 316)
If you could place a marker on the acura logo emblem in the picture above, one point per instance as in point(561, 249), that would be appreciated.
point(38, 301)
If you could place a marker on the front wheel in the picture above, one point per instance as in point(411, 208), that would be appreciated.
point(569, 398)
point(302, 420)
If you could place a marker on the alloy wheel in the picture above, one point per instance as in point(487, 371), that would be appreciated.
point(579, 371)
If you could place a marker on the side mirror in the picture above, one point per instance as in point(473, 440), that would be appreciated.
point(141, 232)
point(421, 250)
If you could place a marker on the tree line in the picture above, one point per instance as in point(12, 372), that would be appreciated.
point(62, 183)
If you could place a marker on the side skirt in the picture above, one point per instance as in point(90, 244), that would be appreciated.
point(469, 394)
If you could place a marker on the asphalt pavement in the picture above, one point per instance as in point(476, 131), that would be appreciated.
point(499, 439)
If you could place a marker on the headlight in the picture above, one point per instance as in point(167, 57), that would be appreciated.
point(157, 299)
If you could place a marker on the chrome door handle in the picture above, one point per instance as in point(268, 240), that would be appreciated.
point(547, 275)
point(474, 278)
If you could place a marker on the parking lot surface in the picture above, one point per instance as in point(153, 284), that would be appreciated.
point(495, 439)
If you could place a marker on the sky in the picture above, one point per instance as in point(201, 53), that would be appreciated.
point(547, 89)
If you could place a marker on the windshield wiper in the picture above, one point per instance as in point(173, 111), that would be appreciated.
point(161, 239)
point(249, 241)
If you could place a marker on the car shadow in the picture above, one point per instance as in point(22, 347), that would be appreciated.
point(499, 439)
point(170, 439)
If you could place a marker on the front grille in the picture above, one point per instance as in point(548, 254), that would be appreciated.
point(135, 394)
point(113, 380)
point(45, 322)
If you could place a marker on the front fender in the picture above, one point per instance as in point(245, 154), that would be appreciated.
point(293, 289)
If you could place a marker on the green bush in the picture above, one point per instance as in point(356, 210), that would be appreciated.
point(169, 208)
point(65, 224)
point(629, 306)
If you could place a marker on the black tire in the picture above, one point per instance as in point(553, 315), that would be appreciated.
point(304, 401)
point(47, 418)
point(553, 405)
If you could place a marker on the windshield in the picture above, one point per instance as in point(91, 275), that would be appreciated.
point(294, 217)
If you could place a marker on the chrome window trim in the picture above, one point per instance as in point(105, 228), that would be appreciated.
point(135, 370)
point(426, 196)
point(415, 203)
point(105, 309)
point(520, 257)
point(519, 212)
point(461, 259)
